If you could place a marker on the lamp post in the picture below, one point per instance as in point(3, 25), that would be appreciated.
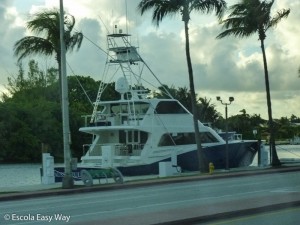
point(258, 148)
point(254, 133)
point(231, 99)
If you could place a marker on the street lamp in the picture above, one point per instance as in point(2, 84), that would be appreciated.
point(231, 99)
point(254, 133)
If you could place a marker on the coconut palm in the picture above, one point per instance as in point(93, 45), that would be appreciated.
point(161, 9)
point(249, 17)
point(207, 110)
point(45, 25)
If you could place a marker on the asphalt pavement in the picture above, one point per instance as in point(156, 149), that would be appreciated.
point(190, 216)
point(30, 191)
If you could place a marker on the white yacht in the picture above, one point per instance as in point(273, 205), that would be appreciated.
point(136, 132)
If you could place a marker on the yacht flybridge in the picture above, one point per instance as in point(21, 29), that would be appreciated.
point(136, 132)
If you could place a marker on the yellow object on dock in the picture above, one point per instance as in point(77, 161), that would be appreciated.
point(211, 168)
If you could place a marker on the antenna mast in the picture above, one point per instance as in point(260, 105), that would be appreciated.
point(126, 16)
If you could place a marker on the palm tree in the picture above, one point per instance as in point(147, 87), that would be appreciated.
point(185, 7)
point(249, 17)
point(207, 111)
point(46, 24)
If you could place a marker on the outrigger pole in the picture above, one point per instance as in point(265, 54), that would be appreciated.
point(67, 181)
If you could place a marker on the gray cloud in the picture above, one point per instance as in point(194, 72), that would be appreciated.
point(9, 34)
point(91, 59)
point(229, 66)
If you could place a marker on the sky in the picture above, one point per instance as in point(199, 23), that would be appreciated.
point(222, 67)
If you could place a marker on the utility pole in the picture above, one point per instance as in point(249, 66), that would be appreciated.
point(67, 181)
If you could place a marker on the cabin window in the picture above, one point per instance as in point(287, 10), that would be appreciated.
point(138, 108)
point(119, 109)
point(166, 140)
point(169, 107)
point(185, 139)
point(141, 108)
point(207, 137)
point(132, 136)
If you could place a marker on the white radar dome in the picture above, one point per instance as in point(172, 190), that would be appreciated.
point(122, 85)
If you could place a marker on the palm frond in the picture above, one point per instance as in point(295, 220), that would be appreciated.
point(208, 6)
point(239, 32)
point(277, 18)
point(45, 22)
point(74, 40)
point(32, 45)
point(45, 25)
point(161, 8)
point(252, 16)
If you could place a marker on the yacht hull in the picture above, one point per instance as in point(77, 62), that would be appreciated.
point(240, 154)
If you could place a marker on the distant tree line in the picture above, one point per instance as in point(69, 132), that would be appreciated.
point(30, 114)
point(31, 120)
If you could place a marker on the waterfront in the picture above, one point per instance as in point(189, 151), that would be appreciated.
point(13, 175)
point(16, 175)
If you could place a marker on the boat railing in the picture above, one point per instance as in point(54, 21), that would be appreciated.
point(119, 149)
point(129, 149)
point(237, 137)
point(118, 119)
point(231, 136)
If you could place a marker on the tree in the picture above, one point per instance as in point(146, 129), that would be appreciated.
point(29, 115)
point(36, 78)
point(185, 7)
point(294, 119)
point(46, 25)
point(207, 111)
point(249, 17)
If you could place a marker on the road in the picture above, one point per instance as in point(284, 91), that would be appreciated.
point(288, 216)
point(155, 204)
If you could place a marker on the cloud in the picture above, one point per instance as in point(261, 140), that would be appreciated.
point(90, 59)
point(8, 33)
point(225, 67)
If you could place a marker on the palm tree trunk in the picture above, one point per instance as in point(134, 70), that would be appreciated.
point(203, 165)
point(274, 157)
